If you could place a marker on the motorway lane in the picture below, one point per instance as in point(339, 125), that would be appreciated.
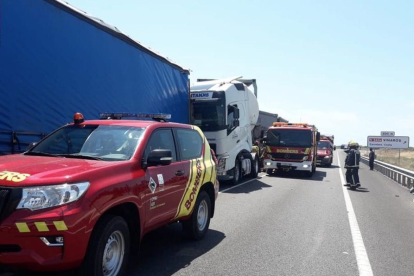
point(271, 226)
point(290, 225)
point(385, 213)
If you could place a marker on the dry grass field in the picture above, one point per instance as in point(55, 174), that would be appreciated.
point(390, 156)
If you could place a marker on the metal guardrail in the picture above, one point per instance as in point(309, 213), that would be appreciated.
point(400, 175)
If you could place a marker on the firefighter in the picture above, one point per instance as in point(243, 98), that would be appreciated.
point(371, 159)
point(352, 164)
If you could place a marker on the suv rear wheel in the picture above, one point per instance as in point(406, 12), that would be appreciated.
point(197, 226)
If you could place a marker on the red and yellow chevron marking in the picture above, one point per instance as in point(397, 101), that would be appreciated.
point(41, 226)
point(202, 170)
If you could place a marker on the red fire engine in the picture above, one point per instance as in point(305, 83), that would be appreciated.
point(291, 147)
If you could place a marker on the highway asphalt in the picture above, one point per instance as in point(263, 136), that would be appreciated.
point(293, 225)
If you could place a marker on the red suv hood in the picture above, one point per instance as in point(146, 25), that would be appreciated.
point(22, 170)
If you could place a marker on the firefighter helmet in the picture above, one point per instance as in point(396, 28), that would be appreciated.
point(353, 144)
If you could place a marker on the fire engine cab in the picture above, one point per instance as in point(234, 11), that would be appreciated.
point(291, 147)
point(86, 194)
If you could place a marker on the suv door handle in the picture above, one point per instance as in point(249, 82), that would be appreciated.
point(179, 173)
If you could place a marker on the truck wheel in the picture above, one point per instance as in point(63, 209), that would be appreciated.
point(255, 167)
point(196, 227)
point(236, 173)
point(309, 173)
point(108, 248)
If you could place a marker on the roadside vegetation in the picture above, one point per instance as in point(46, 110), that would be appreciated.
point(390, 156)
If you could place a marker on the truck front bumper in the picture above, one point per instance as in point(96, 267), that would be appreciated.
point(323, 160)
point(281, 165)
point(45, 240)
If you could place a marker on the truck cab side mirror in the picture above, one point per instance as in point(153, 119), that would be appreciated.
point(318, 136)
point(236, 113)
point(158, 157)
point(236, 123)
point(334, 147)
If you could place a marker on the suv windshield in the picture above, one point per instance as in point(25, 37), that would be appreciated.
point(324, 145)
point(289, 138)
point(100, 142)
point(209, 115)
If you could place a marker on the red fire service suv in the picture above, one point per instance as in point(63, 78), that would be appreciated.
point(85, 195)
point(291, 146)
point(325, 150)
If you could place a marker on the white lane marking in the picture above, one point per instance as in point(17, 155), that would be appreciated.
point(364, 266)
point(238, 185)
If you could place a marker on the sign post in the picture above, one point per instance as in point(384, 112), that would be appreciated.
point(386, 142)
point(389, 141)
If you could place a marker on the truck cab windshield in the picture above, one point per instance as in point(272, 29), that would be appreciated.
point(289, 138)
point(324, 145)
point(209, 114)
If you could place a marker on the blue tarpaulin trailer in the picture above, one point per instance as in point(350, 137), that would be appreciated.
point(56, 60)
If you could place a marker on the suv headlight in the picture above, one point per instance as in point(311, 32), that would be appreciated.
point(41, 197)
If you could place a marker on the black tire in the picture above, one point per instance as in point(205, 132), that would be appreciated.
point(109, 231)
point(309, 174)
point(269, 171)
point(237, 173)
point(193, 228)
point(255, 167)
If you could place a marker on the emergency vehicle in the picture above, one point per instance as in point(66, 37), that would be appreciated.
point(326, 148)
point(86, 194)
point(291, 147)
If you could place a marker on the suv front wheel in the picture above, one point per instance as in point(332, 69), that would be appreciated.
point(108, 249)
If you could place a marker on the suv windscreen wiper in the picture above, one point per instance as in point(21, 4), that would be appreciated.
point(38, 153)
point(80, 156)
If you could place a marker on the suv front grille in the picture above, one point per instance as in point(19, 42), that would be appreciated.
point(3, 199)
point(9, 199)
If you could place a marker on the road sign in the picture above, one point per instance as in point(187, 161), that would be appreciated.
point(387, 133)
point(384, 142)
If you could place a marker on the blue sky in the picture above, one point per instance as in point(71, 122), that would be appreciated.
point(345, 66)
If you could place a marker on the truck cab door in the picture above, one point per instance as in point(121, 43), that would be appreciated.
point(233, 123)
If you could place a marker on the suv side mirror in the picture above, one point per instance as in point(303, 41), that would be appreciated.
point(161, 157)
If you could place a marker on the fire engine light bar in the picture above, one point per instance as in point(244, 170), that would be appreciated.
point(277, 124)
point(159, 116)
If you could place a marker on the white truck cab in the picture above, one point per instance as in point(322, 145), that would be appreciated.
point(227, 111)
